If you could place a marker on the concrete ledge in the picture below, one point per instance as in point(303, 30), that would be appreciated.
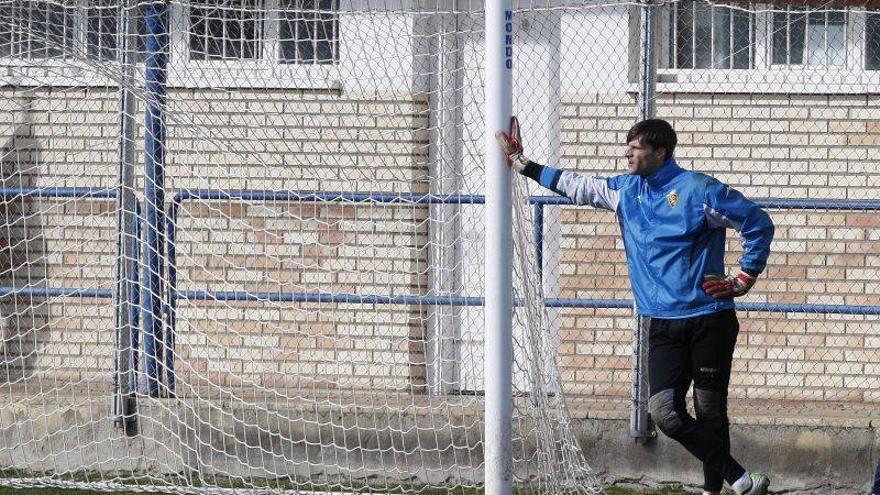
point(806, 450)
point(817, 460)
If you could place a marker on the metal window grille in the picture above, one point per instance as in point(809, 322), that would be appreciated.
point(36, 30)
point(308, 32)
point(102, 30)
point(226, 30)
point(705, 36)
point(802, 37)
point(872, 41)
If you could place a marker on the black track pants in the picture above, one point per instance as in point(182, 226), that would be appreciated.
point(698, 350)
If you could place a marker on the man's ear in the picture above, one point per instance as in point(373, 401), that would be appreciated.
point(665, 152)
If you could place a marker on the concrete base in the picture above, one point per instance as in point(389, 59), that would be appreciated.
point(800, 459)
point(189, 442)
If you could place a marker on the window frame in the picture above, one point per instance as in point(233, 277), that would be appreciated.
point(77, 39)
point(262, 73)
point(669, 22)
point(863, 51)
point(847, 28)
point(765, 77)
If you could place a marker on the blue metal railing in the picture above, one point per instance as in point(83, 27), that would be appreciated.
point(56, 292)
point(539, 204)
point(12, 193)
point(58, 192)
point(170, 306)
point(165, 341)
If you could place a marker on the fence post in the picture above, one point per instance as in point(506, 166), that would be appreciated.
point(640, 427)
point(125, 405)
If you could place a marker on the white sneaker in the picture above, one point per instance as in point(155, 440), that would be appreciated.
point(760, 483)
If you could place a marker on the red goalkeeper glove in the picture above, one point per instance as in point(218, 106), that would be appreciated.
point(511, 145)
point(721, 287)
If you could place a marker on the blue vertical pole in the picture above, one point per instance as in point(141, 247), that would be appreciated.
point(134, 311)
point(539, 241)
point(171, 297)
point(156, 76)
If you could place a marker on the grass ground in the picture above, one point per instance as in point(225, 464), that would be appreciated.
point(61, 491)
point(676, 490)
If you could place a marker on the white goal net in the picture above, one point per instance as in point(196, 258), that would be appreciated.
point(243, 248)
point(243, 241)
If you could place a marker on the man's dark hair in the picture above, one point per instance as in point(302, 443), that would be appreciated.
point(655, 132)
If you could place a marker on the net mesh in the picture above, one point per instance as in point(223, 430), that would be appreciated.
point(272, 211)
point(296, 287)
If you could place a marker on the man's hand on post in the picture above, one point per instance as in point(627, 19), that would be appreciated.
point(721, 287)
point(511, 145)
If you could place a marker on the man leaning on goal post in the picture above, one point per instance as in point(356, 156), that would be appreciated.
point(674, 222)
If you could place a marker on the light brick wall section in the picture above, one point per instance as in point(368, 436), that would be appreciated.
point(57, 138)
point(797, 146)
point(282, 140)
point(302, 142)
point(783, 146)
point(306, 249)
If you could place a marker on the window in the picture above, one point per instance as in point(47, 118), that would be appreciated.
point(809, 38)
point(308, 32)
point(224, 30)
point(872, 41)
point(710, 36)
point(234, 30)
point(742, 46)
point(36, 29)
point(102, 28)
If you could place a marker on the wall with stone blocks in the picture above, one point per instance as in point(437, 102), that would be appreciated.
point(786, 146)
point(767, 146)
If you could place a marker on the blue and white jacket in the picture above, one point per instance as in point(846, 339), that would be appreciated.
point(674, 224)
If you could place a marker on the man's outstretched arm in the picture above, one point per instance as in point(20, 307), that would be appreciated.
point(583, 190)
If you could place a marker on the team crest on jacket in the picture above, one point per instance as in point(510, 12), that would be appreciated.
point(672, 199)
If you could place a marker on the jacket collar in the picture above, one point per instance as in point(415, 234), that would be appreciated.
point(664, 174)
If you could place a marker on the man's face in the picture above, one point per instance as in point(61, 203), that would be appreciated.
point(642, 158)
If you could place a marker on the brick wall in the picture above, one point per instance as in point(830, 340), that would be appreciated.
point(286, 140)
point(302, 142)
point(779, 146)
point(57, 138)
point(798, 146)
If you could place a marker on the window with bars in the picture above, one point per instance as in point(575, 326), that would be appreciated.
point(102, 29)
point(872, 41)
point(103, 37)
point(307, 32)
point(230, 30)
point(705, 36)
point(702, 35)
point(226, 30)
point(809, 38)
point(36, 30)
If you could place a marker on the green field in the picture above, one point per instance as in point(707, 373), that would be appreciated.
point(664, 491)
point(60, 491)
